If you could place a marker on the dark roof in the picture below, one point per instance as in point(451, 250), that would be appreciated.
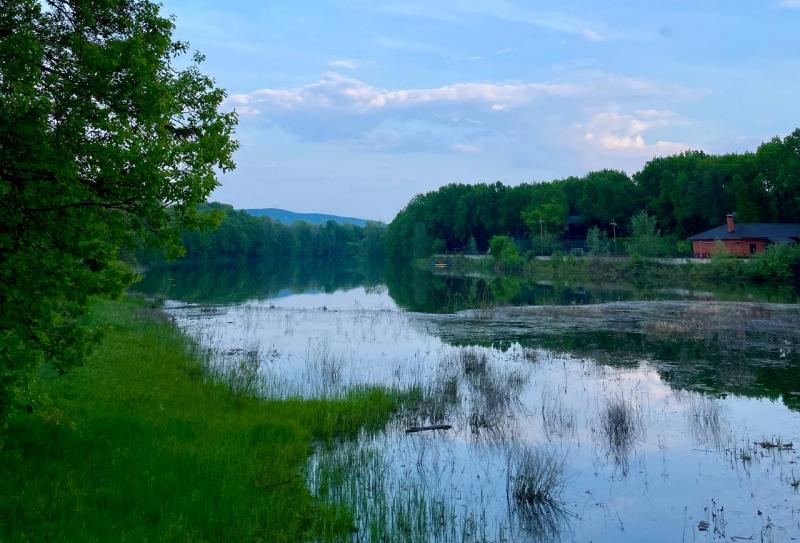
point(774, 232)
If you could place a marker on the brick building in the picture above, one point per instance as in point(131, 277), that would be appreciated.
point(744, 239)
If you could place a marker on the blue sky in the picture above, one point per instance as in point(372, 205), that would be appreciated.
point(354, 107)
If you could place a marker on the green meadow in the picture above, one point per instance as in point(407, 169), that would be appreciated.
point(141, 444)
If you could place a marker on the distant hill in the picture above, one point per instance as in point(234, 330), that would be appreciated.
point(288, 217)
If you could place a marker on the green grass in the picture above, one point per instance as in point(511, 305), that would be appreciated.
point(727, 278)
point(138, 445)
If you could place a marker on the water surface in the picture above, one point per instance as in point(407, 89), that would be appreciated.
point(666, 414)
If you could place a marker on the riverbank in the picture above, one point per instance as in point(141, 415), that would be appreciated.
point(139, 444)
point(724, 271)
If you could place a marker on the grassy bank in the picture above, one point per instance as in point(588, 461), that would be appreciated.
point(643, 272)
point(138, 445)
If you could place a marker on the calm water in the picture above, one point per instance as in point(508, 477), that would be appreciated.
point(662, 414)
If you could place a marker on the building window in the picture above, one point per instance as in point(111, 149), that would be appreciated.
point(753, 248)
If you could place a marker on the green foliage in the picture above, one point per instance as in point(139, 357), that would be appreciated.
point(421, 241)
point(109, 137)
point(686, 194)
point(505, 252)
point(779, 263)
point(439, 246)
point(646, 240)
point(546, 244)
point(597, 242)
point(139, 445)
point(548, 216)
point(723, 264)
point(683, 247)
point(240, 235)
point(501, 246)
point(603, 196)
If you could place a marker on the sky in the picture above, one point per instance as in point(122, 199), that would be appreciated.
point(353, 107)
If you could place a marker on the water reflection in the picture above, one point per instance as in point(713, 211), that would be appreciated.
point(599, 416)
point(225, 282)
point(411, 288)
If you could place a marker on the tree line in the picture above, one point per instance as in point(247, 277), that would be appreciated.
point(231, 233)
point(681, 195)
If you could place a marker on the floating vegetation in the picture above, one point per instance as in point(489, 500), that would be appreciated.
point(775, 444)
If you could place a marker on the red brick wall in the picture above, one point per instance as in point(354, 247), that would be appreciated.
point(738, 247)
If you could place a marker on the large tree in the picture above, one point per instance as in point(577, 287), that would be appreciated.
point(109, 137)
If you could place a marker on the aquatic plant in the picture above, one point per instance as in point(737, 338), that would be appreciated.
point(534, 487)
point(473, 361)
point(557, 419)
point(621, 424)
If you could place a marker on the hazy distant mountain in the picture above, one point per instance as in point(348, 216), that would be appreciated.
point(288, 217)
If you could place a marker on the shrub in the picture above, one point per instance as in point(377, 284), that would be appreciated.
point(777, 263)
point(597, 242)
point(500, 246)
point(646, 240)
point(545, 244)
point(723, 264)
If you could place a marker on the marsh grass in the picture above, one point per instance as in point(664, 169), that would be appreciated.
point(434, 403)
point(392, 503)
point(558, 420)
point(143, 444)
point(622, 425)
point(473, 361)
point(385, 507)
point(534, 487)
point(706, 422)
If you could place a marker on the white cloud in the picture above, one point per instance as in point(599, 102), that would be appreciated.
point(346, 63)
point(612, 131)
point(344, 94)
point(602, 119)
point(790, 4)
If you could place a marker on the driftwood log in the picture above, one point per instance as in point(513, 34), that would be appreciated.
point(415, 429)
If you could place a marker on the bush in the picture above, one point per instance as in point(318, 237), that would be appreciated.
point(723, 264)
point(597, 242)
point(545, 244)
point(777, 263)
point(646, 240)
point(505, 252)
point(683, 247)
point(500, 246)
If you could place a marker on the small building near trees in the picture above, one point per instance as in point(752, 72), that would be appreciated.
point(744, 239)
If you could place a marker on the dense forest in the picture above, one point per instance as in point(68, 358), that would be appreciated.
point(685, 194)
point(231, 233)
